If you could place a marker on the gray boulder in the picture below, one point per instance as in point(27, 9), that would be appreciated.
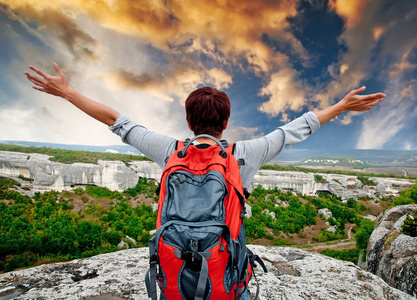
point(392, 255)
point(325, 212)
point(248, 211)
point(293, 274)
point(331, 229)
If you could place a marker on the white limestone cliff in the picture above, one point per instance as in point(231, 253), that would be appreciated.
point(115, 175)
point(48, 175)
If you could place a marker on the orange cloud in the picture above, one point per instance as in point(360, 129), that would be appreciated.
point(56, 22)
point(284, 93)
point(408, 92)
point(233, 26)
point(227, 31)
point(402, 66)
point(177, 85)
point(350, 10)
point(378, 31)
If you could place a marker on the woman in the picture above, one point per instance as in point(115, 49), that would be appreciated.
point(204, 107)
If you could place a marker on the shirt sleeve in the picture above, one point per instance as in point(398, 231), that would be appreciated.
point(259, 151)
point(154, 145)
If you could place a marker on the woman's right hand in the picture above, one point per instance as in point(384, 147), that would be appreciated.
point(57, 86)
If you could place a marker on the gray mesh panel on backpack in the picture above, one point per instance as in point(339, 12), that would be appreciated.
point(194, 198)
point(188, 283)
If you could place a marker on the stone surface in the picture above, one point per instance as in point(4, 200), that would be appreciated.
point(331, 229)
point(325, 212)
point(370, 217)
point(115, 175)
point(248, 208)
point(293, 274)
point(122, 245)
point(392, 255)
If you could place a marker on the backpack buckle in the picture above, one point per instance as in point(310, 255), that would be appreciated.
point(153, 259)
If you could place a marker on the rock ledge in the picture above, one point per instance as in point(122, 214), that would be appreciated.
point(293, 274)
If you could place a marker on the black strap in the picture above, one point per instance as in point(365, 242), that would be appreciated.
point(257, 284)
point(242, 204)
point(255, 258)
point(200, 257)
point(202, 279)
point(252, 259)
point(150, 277)
point(246, 192)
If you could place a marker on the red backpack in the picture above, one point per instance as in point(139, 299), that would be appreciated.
point(200, 243)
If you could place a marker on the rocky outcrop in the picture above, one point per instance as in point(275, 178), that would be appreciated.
point(392, 255)
point(293, 274)
point(325, 212)
point(115, 175)
point(48, 175)
point(294, 181)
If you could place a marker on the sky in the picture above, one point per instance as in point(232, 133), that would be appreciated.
point(276, 60)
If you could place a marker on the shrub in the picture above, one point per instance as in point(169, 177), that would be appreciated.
point(79, 191)
point(320, 179)
point(363, 233)
point(348, 254)
point(410, 225)
point(112, 236)
point(366, 180)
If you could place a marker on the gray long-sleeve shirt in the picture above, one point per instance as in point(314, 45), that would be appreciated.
point(255, 152)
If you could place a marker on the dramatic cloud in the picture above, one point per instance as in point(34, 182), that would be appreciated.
point(178, 86)
point(350, 10)
point(378, 128)
point(285, 93)
point(370, 36)
point(55, 23)
point(145, 58)
point(226, 32)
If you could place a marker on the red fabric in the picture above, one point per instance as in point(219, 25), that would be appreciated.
point(171, 266)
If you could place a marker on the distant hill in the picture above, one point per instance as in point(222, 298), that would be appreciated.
point(336, 161)
point(291, 155)
point(375, 157)
point(122, 149)
point(71, 156)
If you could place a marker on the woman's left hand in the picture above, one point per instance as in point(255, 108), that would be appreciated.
point(355, 102)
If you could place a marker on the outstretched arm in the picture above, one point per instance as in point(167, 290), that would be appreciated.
point(351, 102)
point(58, 86)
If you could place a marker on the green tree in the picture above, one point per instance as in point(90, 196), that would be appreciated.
point(410, 225)
point(113, 237)
point(363, 233)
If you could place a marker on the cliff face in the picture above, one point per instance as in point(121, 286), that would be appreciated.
point(115, 175)
point(48, 175)
point(392, 255)
point(293, 274)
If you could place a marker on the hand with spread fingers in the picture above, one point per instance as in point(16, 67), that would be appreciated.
point(57, 86)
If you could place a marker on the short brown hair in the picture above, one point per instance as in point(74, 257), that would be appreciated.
point(207, 111)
